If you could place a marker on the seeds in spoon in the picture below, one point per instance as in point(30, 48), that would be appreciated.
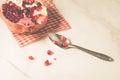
point(55, 42)
point(65, 44)
point(62, 38)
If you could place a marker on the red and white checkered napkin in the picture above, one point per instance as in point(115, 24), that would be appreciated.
point(56, 22)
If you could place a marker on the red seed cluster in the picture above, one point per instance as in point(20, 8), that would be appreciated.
point(29, 2)
point(64, 42)
point(14, 13)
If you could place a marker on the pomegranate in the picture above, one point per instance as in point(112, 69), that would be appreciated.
point(24, 16)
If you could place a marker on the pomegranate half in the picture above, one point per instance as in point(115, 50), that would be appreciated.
point(24, 16)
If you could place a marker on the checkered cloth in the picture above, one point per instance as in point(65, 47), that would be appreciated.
point(56, 22)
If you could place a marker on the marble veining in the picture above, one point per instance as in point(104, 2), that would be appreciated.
point(105, 12)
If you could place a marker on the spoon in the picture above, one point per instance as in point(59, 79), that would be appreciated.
point(65, 43)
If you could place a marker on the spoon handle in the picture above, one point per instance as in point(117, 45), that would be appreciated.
point(97, 54)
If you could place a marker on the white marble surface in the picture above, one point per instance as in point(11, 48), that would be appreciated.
point(95, 25)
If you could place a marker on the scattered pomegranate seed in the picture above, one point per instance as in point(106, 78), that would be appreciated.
point(31, 57)
point(65, 44)
point(49, 52)
point(47, 63)
point(63, 38)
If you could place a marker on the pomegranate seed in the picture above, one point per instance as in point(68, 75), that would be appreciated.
point(27, 1)
point(31, 57)
point(34, 18)
point(47, 63)
point(11, 3)
point(38, 8)
point(19, 8)
point(21, 16)
point(25, 11)
point(65, 44)
point(20, 11)
point(11, 9)
point(15, 14)
point(15, 20)
point(39, 4)
point(32, 11)
point(23, 3)
point(30, 2)
point(4, 7)
point(63, 38)
point(39, 15)
point(49, 52)
point(55, 42)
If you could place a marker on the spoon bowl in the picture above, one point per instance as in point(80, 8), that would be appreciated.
point(66, 43)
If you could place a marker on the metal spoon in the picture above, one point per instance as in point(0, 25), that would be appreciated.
point(65, 43)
